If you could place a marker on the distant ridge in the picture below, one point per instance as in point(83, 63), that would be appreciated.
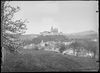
point(85, 34)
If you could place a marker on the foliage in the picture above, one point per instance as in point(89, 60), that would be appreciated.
point(11, 29)
point(86, 44)
point(62, 48)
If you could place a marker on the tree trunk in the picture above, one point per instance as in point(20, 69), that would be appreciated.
point(2, 15)
point(3, 54)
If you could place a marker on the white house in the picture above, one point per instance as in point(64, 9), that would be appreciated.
point(69, 52)
point(30, 46)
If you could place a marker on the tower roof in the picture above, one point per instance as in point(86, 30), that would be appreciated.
point(54, 29)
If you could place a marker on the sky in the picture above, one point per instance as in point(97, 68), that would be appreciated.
point(67, 16)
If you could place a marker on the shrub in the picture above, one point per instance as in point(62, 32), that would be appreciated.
point(62, 48)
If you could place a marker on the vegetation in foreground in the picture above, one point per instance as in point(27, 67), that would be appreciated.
point(41, 61)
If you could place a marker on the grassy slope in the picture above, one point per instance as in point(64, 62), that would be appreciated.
point(33, 60)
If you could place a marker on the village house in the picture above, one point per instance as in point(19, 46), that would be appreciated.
point(70, 51)
point(55, 46)
point(30, 46)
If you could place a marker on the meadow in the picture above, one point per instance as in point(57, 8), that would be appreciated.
point(42, 61)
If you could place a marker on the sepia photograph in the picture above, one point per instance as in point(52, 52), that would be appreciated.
point(50, 36)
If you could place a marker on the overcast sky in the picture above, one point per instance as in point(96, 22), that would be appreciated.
point(67, 16)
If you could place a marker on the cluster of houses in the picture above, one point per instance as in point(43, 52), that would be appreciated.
point(55, 46)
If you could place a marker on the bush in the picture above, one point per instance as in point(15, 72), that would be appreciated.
point(62, 48)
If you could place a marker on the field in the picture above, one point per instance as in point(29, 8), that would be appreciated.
point(41, 61)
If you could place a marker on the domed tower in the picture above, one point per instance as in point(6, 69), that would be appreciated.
point(54, 30)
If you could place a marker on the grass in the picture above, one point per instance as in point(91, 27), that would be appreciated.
point(45, 61)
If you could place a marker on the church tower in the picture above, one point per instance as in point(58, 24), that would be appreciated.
point(54, 30)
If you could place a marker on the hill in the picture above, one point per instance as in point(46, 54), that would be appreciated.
point(45, 61)
point(81, 35)
point(49, 38)
point(28, 36)
point(84, 35)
